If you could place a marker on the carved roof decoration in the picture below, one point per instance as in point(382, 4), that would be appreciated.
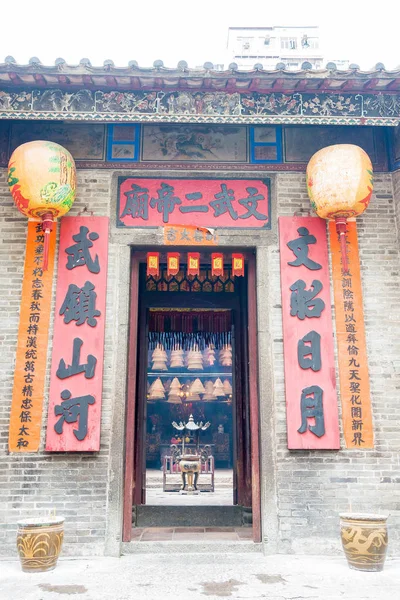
point(202, 95)
point(134, 77)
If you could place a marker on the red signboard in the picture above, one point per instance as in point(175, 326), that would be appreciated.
point(310, 386)
point(239, 203)
point(78, 342)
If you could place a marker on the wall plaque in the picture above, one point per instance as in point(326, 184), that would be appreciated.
point(78, 342)
point(311, 399)
point(234, 203)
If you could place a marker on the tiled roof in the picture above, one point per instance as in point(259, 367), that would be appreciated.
point(134, 77)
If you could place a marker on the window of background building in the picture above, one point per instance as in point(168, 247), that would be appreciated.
point(288, 43)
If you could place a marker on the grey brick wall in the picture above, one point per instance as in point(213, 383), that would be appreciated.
point(312, 487)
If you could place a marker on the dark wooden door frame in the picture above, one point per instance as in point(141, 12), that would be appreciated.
point(131, 416)
point(131, 400)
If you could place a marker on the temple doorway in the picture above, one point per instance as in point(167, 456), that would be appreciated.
point(192, 459)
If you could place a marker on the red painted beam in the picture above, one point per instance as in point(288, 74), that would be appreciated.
point(351, 84)
point(39, 79)
point(136, 83)
point(253, 87)
point(63, 79)
point(393, 85)
point(302, 84)
point(370, 84)
point(279, 85)
point(111, 81)
point(87, 80)
point(16, 79)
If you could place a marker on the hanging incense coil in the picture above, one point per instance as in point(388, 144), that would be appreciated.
point(227, 387)
point(157, 391)
point(174, 394)
point(225, 356)
point(177, 358)
point(195, 360)
point(218, 389)
point(209, 356)
point(159, 359)
point(209, 390)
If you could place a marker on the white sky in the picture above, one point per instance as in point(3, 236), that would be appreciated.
point(364, 32)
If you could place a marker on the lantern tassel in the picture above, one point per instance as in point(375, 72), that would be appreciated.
point(341, 228)
point(47, 226)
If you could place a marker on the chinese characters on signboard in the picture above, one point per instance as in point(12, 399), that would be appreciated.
point(31, 359)
point(78, 343)
point(311, 399)
point(238, 203)
point(350, 331)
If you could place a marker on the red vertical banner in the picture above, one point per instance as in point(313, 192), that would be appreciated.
point(78, 342)
point(238, 265)
point(153, 264)
point(352, 348)
point(193, 263)
point(172, 263)
point(31, 359)
point(217, 264)
point(310, 386)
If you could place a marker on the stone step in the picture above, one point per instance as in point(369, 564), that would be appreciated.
point(216, 547)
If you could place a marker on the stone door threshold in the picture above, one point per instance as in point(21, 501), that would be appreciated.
point(195, 534)
point(191, 540)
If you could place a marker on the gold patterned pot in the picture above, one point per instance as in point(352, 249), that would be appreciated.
point(39, 543)
point(364, 540)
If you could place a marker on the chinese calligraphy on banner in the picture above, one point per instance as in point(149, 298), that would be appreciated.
point(31, 359)
point(239, 203)
point(350, 331)
point(78, 342)
point(311, 399)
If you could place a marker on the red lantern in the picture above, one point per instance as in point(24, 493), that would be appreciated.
point(153, 264)
point(217, 264)
point(173, 263)
point(238, 265)
point(193, 263)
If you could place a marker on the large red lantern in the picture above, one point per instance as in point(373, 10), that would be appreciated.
point(340, 184)
point(42, 181)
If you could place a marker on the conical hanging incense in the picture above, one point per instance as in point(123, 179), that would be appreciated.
point(159, 359)
point(195, 360)
point(209, 356)
point(177, 361)
point(209, 390)
point(225, 356)
point(218, 388)
point(227, 387)
point(174, 394)
point(157, 391)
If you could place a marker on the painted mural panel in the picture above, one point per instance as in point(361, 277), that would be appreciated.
point(84, 141)
point(302, 142)
point(195, 143)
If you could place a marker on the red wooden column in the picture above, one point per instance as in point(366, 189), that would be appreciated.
point(131, 401)
point(254, 406)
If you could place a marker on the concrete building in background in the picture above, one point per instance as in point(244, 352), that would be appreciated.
point(269, 46)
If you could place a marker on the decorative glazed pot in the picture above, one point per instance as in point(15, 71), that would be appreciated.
point(364, 540)
point(39, 543)
point(190, 465)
